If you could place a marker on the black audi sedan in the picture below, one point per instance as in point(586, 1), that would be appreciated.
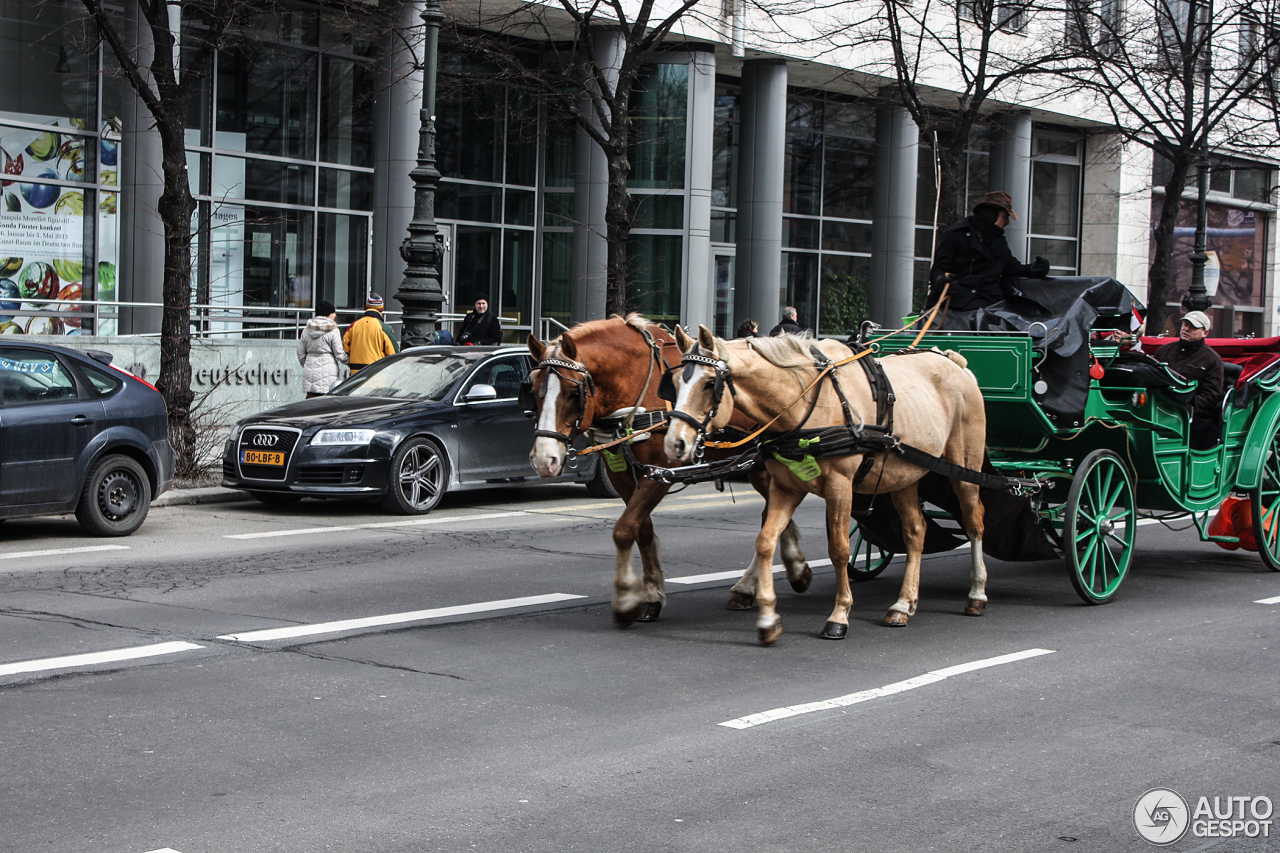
point(77, 434)
point(402, 431)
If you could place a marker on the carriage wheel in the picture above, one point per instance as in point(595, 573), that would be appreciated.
point(865, 560)
point(1100, 526)
point(1265, 501)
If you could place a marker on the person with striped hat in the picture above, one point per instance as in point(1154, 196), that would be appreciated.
point(367, 340)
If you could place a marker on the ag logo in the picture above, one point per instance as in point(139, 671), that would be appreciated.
point(1161, 816)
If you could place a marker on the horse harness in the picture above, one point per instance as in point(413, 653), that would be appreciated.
point(634, 421)
point(799, 448)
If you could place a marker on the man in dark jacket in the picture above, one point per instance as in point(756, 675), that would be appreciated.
point(480, 327)
point(1192, 357)
point(790, 324)
point(975, 258)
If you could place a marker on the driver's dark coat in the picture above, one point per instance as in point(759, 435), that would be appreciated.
point(979, 259)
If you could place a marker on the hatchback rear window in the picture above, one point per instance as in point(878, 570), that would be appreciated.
point(104, 382)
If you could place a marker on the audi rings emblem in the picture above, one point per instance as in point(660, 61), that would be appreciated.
point(265, 439)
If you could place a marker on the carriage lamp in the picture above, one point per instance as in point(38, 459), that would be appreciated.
point(1139, 399)
point(342, 436)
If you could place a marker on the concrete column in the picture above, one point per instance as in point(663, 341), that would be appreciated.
point(395, 154)
point(893, 227)
point(140, 277)
point(1011, 172)
point(591, 189)
point(761, 156)
point(698, 303)
point(1115, 229)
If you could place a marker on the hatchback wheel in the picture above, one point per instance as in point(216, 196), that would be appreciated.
point(418, 476)
point(116, 497)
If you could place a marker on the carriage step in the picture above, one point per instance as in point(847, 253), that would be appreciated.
point(1221, 539)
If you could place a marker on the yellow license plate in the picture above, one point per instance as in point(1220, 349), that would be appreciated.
point(261, 457)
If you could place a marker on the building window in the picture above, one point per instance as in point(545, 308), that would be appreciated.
point(1236, 239)
point(1053, 222)
point(977, 171)
point(827, 198)
point(59, 148)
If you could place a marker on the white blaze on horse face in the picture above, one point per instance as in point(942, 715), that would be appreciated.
point(548, 454)
point(679, 430)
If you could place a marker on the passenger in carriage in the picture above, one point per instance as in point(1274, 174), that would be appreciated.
point(975, 258)
point(1194, 359)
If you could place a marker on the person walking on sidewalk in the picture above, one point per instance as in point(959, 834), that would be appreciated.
point(367, 341)
point(320, 351)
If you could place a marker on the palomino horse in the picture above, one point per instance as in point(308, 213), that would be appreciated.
point(589, 380)
point(939, 409)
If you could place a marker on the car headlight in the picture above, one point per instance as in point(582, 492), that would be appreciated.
point(342, 436)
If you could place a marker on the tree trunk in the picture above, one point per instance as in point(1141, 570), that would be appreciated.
point(175, 207)
point(1161, 272)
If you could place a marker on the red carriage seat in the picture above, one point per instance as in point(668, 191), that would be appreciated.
point(1250, 354)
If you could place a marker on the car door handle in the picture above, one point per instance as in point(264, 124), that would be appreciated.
point(82, 420)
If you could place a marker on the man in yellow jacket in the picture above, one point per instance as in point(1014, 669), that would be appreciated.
point(366, 341)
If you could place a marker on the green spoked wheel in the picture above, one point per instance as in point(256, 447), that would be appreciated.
point(866, 561)
point(1265, 501)
point(1100, 523)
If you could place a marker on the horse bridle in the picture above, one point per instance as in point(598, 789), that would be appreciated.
point(723, 379)
point(585, 385)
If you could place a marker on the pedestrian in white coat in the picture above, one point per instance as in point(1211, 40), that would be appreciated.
point(320, 351)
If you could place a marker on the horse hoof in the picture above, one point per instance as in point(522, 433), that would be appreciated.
point(769, 635)
point(894, 619)
point(834, 631)
point(623, 618)
point(975, 607)
point(801, 583)
point(649, 611)
point(740, 601)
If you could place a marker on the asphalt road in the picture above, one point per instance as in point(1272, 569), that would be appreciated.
point(484, 700)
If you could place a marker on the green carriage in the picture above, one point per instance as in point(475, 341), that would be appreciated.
point(1120, 450)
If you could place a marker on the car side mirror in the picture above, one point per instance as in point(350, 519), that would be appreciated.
point(481, 393)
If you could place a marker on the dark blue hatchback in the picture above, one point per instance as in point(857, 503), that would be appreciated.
point(77, 434)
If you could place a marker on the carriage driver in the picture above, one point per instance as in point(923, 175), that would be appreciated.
point(975, 258)
point(1191, 357)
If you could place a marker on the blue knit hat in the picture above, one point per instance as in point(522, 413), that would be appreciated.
point(374, 301)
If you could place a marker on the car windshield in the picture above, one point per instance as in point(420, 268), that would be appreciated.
point(416, 377)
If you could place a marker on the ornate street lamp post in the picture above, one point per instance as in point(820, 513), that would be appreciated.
point(421, 292)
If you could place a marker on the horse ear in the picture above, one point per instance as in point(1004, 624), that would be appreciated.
point(683, 340)
point(536, 347)
point(707, 339)
point(568, 348)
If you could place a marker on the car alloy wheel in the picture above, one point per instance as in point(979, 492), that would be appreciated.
point(418, 477)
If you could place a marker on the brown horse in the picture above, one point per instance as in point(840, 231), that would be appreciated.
point(591, 380)
point(939, 409)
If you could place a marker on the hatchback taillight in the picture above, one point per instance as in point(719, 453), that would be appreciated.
point(134, 376)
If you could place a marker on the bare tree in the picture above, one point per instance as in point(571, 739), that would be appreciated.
point(1179, 77)
point(954, 64)
point(147, 56)
point(582, 83)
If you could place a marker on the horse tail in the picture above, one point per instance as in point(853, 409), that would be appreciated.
point(956, 357)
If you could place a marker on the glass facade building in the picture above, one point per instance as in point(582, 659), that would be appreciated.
point(283, 151)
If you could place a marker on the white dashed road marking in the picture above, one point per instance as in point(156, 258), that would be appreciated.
point(94, 658)
point(394, 618)
point(888, 690)
point(733, 576)
point(1275, 600)
point(87, 549)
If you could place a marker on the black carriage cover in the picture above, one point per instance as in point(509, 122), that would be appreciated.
point(1058, 313)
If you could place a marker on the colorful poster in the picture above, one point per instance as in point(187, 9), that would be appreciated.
point(42, 225)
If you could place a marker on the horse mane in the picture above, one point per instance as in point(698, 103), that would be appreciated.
point(786, 351)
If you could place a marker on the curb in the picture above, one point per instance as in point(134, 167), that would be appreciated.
point(208, 495)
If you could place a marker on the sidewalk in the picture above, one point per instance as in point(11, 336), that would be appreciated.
point(203, 495)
